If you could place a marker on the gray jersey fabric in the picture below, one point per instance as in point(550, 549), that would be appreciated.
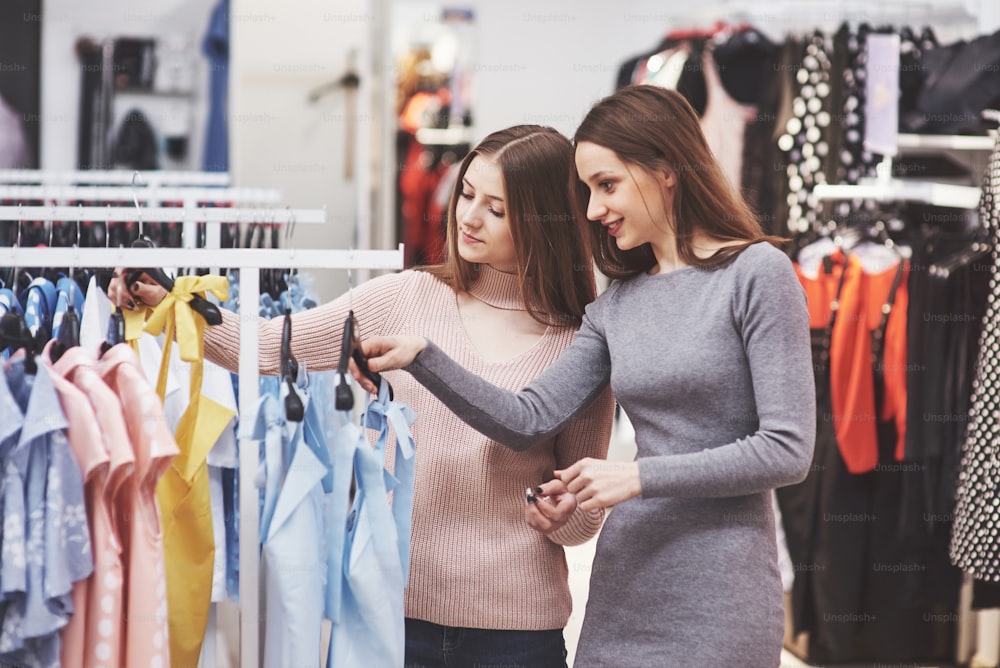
point(713, 367)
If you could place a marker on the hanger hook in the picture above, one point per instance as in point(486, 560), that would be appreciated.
point(79, 208)
point(290, 226)
point(135, 197)
point(20, 219)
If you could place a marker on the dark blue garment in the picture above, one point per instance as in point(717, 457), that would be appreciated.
point(215, 46)
point(67, 292)
point(430, 645)
point(39, 307)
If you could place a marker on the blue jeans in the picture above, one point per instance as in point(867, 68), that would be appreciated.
point(431, 645)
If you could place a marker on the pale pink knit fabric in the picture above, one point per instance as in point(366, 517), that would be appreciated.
point(474, 560)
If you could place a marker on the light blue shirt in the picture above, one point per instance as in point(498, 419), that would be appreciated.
point(371, 629)
point(57, 550)
point(293, 535)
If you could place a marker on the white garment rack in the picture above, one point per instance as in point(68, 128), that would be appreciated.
point(899, 190)
point(247, 260)
point(122, 214)
point(114, 177)
point(884, 188)
point(148, 194)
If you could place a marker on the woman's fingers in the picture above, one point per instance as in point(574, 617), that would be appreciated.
point(386, 353)
point(144, 291)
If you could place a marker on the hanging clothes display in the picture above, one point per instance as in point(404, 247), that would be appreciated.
point(96, 629)
point(46, 540)
point(147, 635)
point(183, 492)
point(215, 47)
point(297, 478)
point(371, 627)
point(974, 547)
point(318, 560)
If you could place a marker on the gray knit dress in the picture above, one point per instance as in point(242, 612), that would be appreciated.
point(713, 367)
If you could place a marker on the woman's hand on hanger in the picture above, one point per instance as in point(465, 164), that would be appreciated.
point(551, 508)
point(386, 353)
point(143, 292)
point(598, 483)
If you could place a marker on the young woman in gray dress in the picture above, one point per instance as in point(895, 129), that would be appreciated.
point(704, 338)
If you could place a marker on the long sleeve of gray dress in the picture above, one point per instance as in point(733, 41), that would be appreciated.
point(538, 411)
point(764, 307)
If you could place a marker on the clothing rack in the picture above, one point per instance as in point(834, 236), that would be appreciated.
point(898, 190)
point(114, 177)
point(121, 214)
point(884, 188)
point(246, 260)
point(150, 194)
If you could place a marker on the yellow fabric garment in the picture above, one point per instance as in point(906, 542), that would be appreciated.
point(183, 494)
point(134, 323)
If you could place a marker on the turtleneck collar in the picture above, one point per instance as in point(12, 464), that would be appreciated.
point(498, 289)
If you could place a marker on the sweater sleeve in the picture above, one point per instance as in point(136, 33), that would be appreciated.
point(769, 308)
point(317, 333)
point(588, 436)
point(540, 410)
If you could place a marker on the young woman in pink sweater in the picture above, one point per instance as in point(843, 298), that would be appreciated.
point(488, 576)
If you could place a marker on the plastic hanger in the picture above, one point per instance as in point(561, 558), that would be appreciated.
point(294, 409)
point(14, 332)
point(209, 311)
point(116, 321)
point(351, 349)
point(69, 328)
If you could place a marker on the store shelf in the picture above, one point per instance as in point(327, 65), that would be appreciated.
point(947, 142)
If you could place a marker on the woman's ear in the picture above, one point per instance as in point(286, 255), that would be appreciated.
point(667, 177)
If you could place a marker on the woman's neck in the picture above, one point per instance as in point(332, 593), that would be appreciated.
point(498, 289)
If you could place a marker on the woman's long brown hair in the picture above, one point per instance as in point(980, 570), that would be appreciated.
point(553, 261)
point(655, 128)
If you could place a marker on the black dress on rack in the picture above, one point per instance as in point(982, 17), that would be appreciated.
point(975, 546)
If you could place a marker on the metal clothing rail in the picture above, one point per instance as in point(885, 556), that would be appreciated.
point(899, 190)
point(126, 193)
point(121, 214)
point(247, 259)
point(114, 176)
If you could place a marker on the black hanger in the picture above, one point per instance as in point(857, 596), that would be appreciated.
point(69, 333)
point(14, 333)
point(116, 332)
point(351, 348)
point(294, 410)
point(69, 328)
point(209, 311)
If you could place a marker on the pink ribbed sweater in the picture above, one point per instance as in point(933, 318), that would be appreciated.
point(474, 562)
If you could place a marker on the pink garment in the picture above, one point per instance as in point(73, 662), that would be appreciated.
point(724, 123)
point(81, 636)
point(146, 634)
point(105, 599)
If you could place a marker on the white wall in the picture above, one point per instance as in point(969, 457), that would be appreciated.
point(63, 21)
point(278, 138)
